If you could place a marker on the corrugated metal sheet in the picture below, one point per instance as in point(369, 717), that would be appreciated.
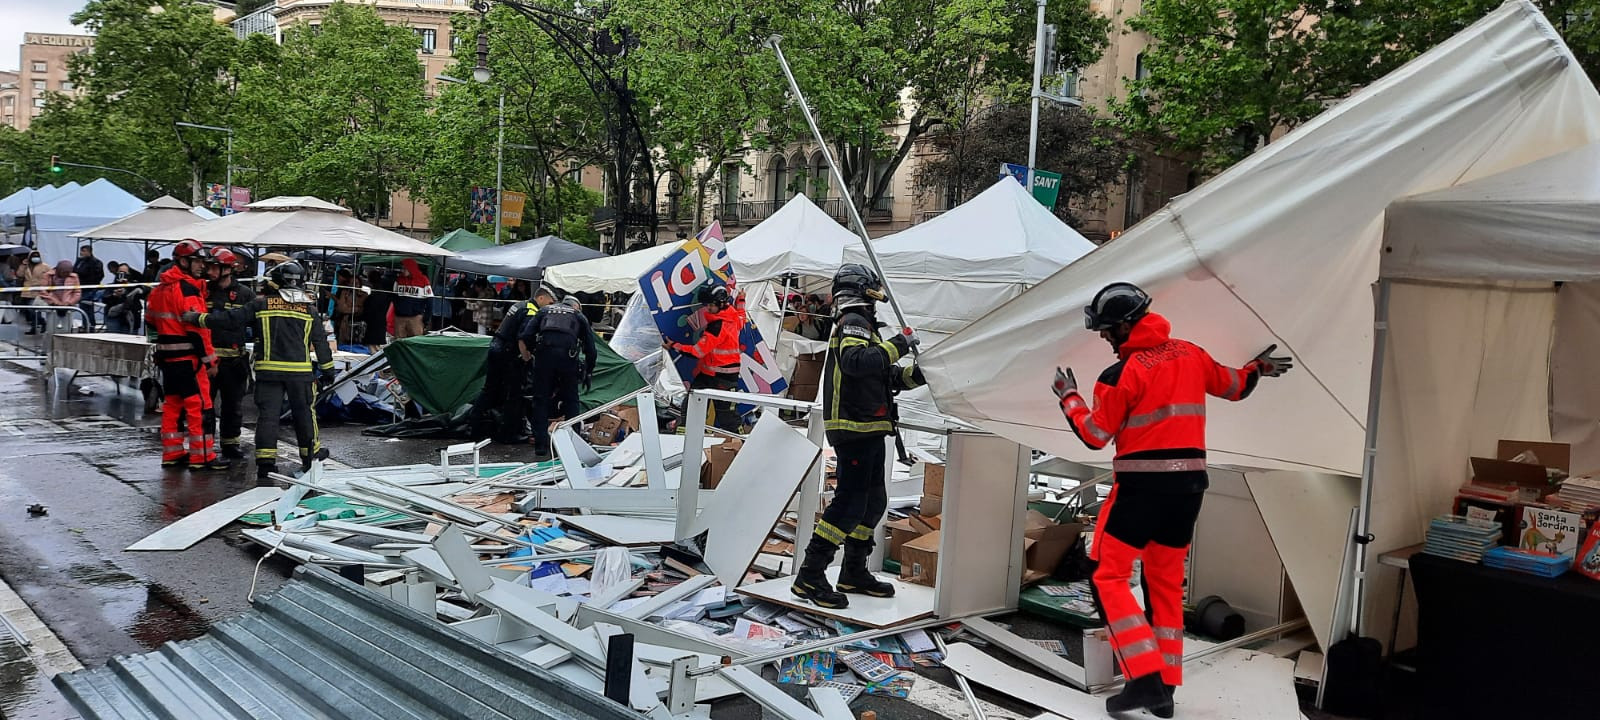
point(322, 647)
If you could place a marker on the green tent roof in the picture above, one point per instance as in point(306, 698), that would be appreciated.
point(462, 240)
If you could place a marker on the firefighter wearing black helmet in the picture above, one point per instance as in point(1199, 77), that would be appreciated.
point(863, 374)
point(289, 333)
point(1152, 405)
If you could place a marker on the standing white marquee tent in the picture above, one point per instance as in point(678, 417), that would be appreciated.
point(799, 239)
point(1285, 248)
point(612, 273)
point(20, 203)
point(95, 204)
point(126, 239)
point(301, 222)
point(952, 269)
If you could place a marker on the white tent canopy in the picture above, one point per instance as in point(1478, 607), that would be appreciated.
point(301, 222)
point(57, 220)
point(127, 239)
point(23, 201)
point(952, 269)
point(800, 239)
point(613, 273)
point(1285, 247)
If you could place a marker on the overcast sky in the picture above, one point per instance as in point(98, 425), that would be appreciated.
point(20, 16)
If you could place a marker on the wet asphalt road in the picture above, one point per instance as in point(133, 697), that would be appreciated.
point(91, 456)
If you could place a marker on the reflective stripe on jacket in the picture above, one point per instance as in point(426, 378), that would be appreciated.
point(862, 375)
point(175, 340)
point(288, 335)
point(1152, 403)
point(718, 348)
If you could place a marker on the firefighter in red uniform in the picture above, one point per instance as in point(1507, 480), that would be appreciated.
point(184, 355)
point(718, 351)
point(1152, 404)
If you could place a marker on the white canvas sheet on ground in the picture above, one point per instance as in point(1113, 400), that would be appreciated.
point(752, 496)
point(1233, 685)
point(910, 602)
point(1284, 248)
point(199, 525)
point(1308, 517)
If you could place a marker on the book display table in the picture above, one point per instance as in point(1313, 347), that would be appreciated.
point(1502, 644)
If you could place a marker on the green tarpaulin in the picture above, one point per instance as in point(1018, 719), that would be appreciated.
point(444, 372)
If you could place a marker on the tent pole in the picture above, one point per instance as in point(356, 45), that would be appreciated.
point(844, 190)
point(1369, 460)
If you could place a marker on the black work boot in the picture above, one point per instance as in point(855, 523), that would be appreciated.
point(811, 583)
point(1145, 692)
point(855, 577)
point(232, 451)
point(264, 467)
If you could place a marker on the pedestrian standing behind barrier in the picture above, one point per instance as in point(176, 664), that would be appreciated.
point(553, 342)
point(62, 293)
point(413, 294)
point(1152, 404)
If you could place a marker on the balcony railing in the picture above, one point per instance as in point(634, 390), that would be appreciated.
point(750, 212)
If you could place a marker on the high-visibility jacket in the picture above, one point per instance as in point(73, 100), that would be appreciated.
point(288, 332)
point(1152, 404)
point(505, 337)
point(176, 340)
point(718, 348)
point(862, 376)
point(230, 341)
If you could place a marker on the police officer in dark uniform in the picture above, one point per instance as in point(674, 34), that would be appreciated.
point(552, 342)
point(289, 333)
point(224, 292)
point(857, 405)
point(507, 373)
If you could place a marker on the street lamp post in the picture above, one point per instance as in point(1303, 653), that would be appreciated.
point(481, 74)
point(229, 174)
point(1038, 76)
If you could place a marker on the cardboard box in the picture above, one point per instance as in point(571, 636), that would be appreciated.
point(718, 458)
point(807, 369)
point(630, 417)
point(901, 532)
point(1050, 543)
point(932, 479)
point(604, 429)
point(931, 505)
point(1501, 470)
point(919, 560)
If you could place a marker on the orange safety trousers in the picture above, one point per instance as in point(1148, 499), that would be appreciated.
point(184, 431)
point(1154, 528)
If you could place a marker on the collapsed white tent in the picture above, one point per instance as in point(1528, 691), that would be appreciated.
point(301, 222)
point(55, 221)
point(799, 239)
point(612, 273)
point(1285, 247)
point(952, 269)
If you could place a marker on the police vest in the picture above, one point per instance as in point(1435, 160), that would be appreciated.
point(560, 319)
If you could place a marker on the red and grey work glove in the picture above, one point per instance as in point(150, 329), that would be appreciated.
point(190, 318)
point(1270, 365)
point(1065, 384)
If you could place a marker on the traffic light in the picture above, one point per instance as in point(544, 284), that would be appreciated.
point(55, 164)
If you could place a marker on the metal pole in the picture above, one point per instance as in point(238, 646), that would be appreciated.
point(499, 162)
point(1038, 76)
point(838, 178)
point(1369, 460)
point(229, 200)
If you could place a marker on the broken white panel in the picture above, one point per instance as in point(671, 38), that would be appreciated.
point(582, 465)
point(656, 686)
point(830, 704)
point(431, 562)
point(470, 575)
point(318, 546)
point(374, 531)
point(1062, 668)
point(768, 695)
point(910, 602)
point(753, 494)
point(284, 508)
point(655, 634)
point(656, 603)
point(623, 530)
point(1308, 518)
point(976, 666)
point(201, 524)
point(548, 656)
point(616, 592)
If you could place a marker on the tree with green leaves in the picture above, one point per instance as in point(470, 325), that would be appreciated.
point(865, 66)
point(1090, 154)
point(339, 111)
point(1226, 77)
point(153, 65)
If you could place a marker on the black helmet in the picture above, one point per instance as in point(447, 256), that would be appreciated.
point(715, 294)
point(1115, 304)
point(286, 275)
point(856, 284)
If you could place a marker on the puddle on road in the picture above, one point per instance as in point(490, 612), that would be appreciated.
point(25, 693)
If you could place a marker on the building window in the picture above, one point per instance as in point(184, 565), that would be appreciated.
point(429, 38)
point(38, 102)
point(38, 86)
point(40, 66)
point(1140, 70)
point(730, 183)
point(455, 42)
point(819, 177)
point(9, 101)
point(67, 86)
point(778, 179)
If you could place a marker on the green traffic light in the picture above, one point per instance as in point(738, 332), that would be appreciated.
point(55, 168)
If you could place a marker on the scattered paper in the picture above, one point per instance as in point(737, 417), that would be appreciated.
point(623, 606)
point(710, 596)
point(554, 584)
point(566, 544)
point(746, 630)
point(917, 641)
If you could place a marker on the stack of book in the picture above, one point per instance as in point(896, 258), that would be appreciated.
point(1523, 561)
point(1580, 493)
point(1452, 536)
